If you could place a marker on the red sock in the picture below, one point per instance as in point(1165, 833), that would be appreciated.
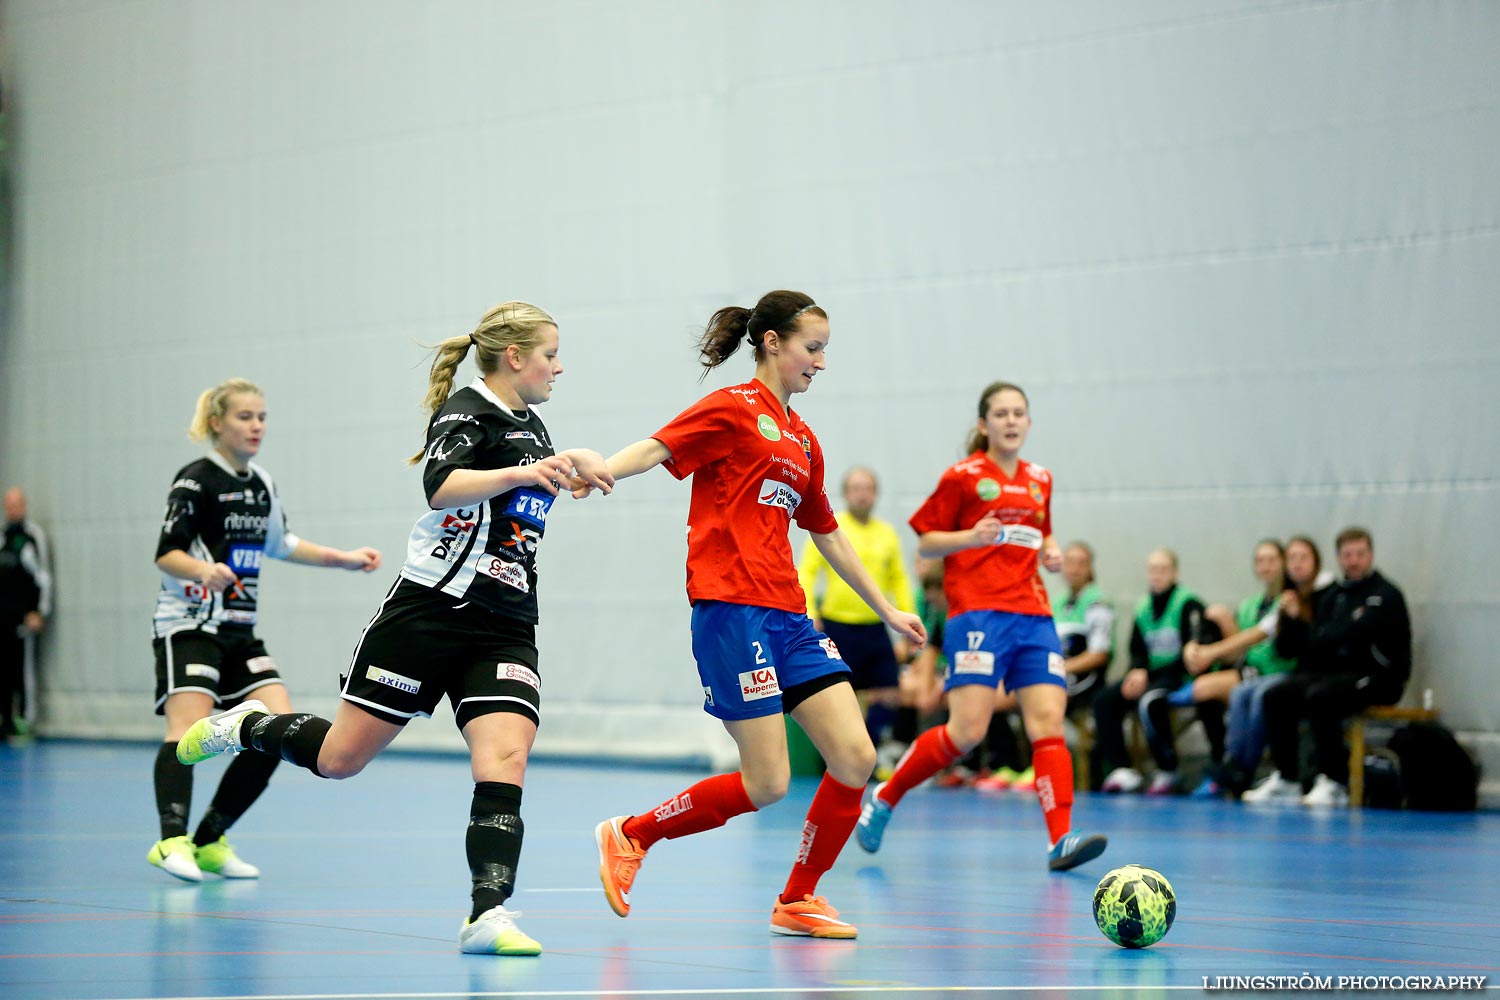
point(933, 751)
point(1054, 784)
point(710, 803)
point(830, 820)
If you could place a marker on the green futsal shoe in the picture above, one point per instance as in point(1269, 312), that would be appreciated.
point(495, 933)
point(216, 734)
point(219, 858)
point(175, 856)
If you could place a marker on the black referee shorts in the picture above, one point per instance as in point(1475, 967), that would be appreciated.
point(424, 644)
point(867, 652)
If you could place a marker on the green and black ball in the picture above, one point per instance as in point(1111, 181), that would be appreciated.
point(1134, 906)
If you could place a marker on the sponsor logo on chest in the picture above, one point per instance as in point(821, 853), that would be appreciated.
point(778, 494)
point(245, 559)
point(235, 521)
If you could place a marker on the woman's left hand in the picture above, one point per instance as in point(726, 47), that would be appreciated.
point(909, 627)
point(365, 559)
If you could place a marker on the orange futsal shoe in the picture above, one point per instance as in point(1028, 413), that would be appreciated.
point(811, 916)
point(619, 860)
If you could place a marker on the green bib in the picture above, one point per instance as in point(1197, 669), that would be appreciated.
point(1163, 635)
point(1262, 656)
point(1072, 629)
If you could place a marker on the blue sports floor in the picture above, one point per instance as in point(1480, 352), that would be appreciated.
point(365, 886)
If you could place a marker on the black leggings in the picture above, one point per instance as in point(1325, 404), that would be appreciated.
point(1325, 701)
point(1109, 721)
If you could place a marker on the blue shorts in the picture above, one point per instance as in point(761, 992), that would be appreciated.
point(990, 647)
point(748, 655)
point(868, 652)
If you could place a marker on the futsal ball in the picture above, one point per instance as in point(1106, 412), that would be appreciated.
point(1134, 906)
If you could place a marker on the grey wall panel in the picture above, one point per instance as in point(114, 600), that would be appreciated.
point(1240, 253)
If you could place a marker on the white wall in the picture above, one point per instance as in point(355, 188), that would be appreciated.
point(1242, 254)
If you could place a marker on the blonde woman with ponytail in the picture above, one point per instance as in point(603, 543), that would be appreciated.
point(223, 516)
point(461, 619)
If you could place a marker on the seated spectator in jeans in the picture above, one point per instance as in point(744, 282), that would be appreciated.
point(1167, 618)
point(1251, 644)
point(1355, 652)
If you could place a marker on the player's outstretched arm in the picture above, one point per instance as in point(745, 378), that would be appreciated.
point(466, 487)
point(308, 553)
point(589, 468)
point(631, 460)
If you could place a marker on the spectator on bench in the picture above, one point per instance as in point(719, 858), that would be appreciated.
point(1168, 618)
point(1354, 653)
point(1251, 644)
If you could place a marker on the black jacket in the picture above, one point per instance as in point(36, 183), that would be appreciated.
point(1359, 627)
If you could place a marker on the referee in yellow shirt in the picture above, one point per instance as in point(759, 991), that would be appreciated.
point(839, 613)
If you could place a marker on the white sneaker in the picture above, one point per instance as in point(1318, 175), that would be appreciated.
point(1163, 783)
point(1123, 779)
point(1274, 788)
point(176, 856)
point(496, 933)
point(1326, 792)
point(216, 734)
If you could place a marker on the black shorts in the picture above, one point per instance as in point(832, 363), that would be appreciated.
point(226, 666)
point(867, 652)
point(423, 644)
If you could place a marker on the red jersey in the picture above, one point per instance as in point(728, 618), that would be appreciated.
point(1004, 576)
point(755, 468)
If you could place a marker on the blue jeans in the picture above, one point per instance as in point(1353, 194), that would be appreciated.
point(1247, 720)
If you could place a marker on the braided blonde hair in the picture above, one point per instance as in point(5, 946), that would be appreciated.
point(510, 324)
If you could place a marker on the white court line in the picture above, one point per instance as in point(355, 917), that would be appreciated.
point(592, 888)
point(754, 991)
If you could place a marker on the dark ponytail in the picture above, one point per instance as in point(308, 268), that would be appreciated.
point(733, 325)
point(978, 439)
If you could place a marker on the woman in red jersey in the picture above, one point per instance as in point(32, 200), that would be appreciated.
point(990, 518)
point(756, 466)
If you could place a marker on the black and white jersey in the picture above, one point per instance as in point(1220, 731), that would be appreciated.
point(25, 572)
point(485, 552)
point(218, 515)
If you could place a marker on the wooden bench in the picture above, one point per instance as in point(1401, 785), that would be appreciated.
point(1379, 713)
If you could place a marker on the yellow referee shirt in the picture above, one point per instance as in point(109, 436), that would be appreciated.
point(879, 549)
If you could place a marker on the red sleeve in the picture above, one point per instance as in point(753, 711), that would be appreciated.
point(815, 513)
point(939, 512)
point(699, 435)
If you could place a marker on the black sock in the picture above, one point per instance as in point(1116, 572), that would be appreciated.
point(294, 738)
point(174, 791)
point(878, 719)
point(240, 787)
point(493, 843)
point(904, 728)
